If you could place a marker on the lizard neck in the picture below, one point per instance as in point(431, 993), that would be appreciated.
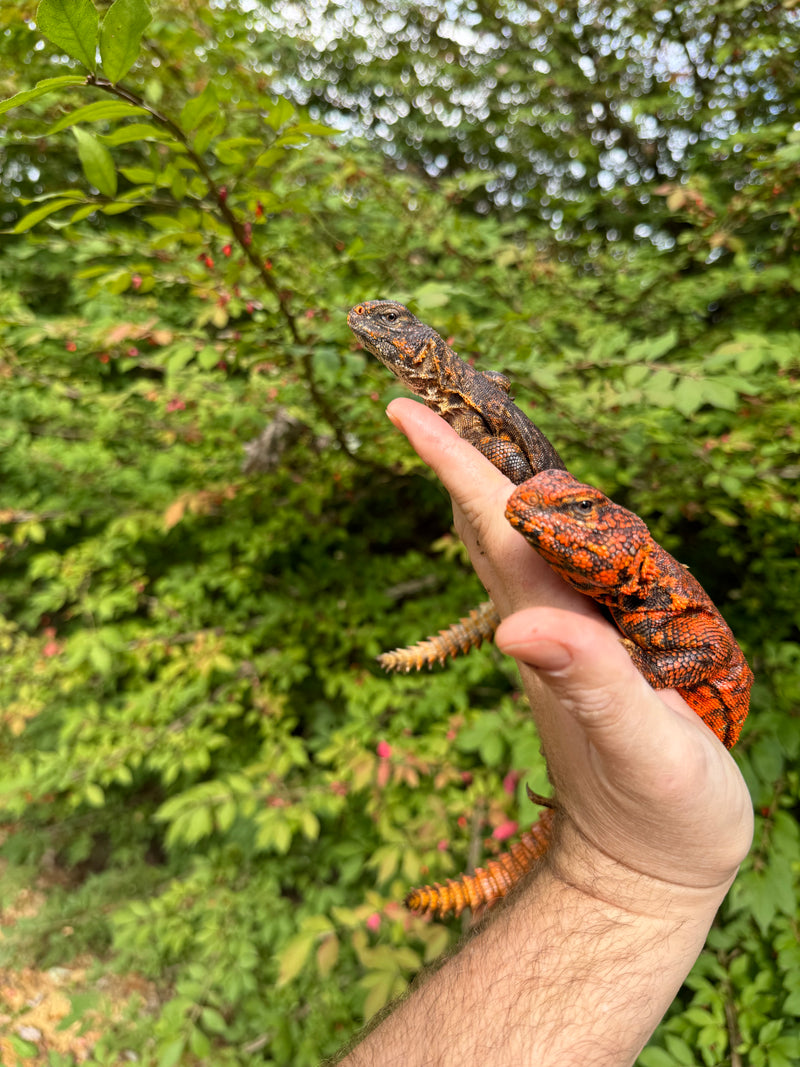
point(434, 372)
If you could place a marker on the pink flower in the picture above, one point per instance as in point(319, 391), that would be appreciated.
point(384, 749)
point(374, 921)
point(505, 830)
point(510, 782)
point(443, 845)
point(176, 405)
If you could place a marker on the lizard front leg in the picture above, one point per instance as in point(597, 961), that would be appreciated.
point(503, 453)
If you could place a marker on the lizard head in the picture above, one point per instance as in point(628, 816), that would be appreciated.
point(596, 545)
point(389, 331)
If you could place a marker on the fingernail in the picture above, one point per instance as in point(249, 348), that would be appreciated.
point(540, 653)
point(393, 420)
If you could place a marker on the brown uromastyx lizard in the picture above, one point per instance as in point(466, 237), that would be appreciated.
point(478, 406)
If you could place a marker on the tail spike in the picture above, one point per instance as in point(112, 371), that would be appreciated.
point(469, 632)
point(490, 884)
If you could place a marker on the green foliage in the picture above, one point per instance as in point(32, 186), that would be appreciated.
point(208, 530)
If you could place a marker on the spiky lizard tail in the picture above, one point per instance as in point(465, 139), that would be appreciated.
point(469, 632)
point(487, 885)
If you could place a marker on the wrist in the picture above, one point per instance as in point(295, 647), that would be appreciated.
point(580, 867)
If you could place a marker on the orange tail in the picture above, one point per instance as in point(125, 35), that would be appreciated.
point(486, 886)
point(469, 632)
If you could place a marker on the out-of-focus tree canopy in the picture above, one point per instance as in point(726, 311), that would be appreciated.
point(553, 108)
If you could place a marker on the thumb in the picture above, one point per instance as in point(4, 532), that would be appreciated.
point(583, 669)
point(635, 771)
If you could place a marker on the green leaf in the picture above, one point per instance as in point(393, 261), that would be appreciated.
point(293, 958)
point(279, 113)
point(171, 1053)
point(139, 175)
point(41, 88)
point(95, 795)
point(655, 1057)
point(137, 131)
point(200, 1045)
point(28, 221)
point(83, 213)
point(310, 824)
point(721, 395)
point(98, 166)
point(70, 25)
point(24, 1049)
point(679, 1049)
point(653, 348)
point(207, 357)
point(121, 35)
point(100, 110)
point(195, 110)
point(179, 356)
point(100, 659)
point(315, 129)
point(213, 1021)
point(433, 295)
point(688, 396)
point(492, 749)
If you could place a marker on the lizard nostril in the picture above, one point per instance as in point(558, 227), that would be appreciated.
point(359, 309)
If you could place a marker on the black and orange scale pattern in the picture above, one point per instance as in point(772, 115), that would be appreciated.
point(469, 632)
point(488, 884)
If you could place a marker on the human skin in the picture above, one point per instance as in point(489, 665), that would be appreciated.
point(654, 820)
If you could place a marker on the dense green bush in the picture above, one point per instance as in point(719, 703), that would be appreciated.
point(209, 530)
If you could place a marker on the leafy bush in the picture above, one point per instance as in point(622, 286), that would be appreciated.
point(209, 530)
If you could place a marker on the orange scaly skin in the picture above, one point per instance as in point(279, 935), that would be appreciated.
point(673, 632)
point(675, 635)
point(487, 885)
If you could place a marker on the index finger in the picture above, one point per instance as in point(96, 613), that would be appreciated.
point(512, 573)
point(458, 465)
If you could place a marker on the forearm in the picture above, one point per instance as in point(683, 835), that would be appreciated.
point(654, 819)
point(557, 978)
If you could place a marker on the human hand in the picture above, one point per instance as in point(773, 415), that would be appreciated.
point(653, 806)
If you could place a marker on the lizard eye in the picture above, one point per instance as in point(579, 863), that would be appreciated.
point(389, 316)
point(583, 506)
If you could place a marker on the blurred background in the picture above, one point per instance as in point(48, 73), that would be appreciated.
point(211, 801)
